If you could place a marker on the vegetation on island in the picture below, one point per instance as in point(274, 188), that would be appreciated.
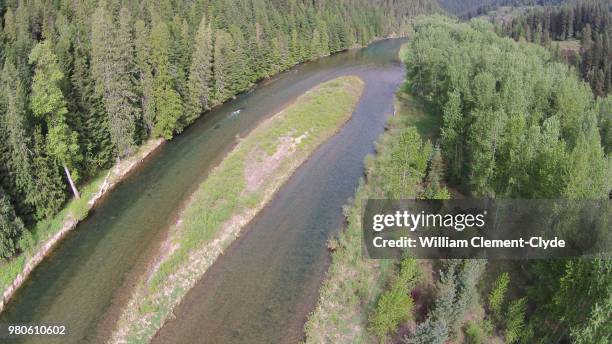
point(232, 194)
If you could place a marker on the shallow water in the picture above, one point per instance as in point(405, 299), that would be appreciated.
point(261, 290)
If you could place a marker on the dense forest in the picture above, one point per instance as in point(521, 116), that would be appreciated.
point(83, 83)
point(471, 8)
point(509, 121)
point(516, 124)
point(589, 21)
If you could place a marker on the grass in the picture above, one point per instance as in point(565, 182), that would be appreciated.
point(569, 45)
point(418, 113)
point(230, 196)
point(353, 284)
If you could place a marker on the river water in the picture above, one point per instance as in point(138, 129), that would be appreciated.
point(262, 289)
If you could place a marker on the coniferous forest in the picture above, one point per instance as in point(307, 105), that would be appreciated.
point(84, 83)
point(586, 21)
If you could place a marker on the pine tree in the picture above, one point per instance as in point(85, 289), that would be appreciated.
point(200, 73)
point(429, 332)
point(394, 307)
point(16, 125)
point(95, 135)
point(168, 104)
point(144, 75)
point(240, 75)
point(11, 227)
point(435, 175)
point(220, 67)
point(49, 195)
point(586, 46)
point(112, 63)
point(179, 54)
point(10, 30)
point(515, 320)
point(451, 132)
point(498, 295)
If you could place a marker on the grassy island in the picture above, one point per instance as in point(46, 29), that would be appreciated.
point(234, 192)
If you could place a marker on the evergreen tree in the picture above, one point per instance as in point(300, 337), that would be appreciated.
point(144, 75)
point(394, 307)
point(220, 66)
point(429, 332)
point(435, 175)
point(49, 195)
point(200, 72)
point(112, 64)
point(11, 227)
point(15, 120)
point(168, 104)
point(48, 103)
point(498, 295)
point(95, 137)
point(515, 320)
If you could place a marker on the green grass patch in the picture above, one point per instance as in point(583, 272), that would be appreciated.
point(571, 45)
point(232, 194)
point(418, 113)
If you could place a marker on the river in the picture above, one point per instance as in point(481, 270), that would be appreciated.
point(265, 285)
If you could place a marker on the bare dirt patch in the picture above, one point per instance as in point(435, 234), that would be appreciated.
point(260, 165)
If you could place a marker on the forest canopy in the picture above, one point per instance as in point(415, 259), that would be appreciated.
point(586, 22)
point(84, 83)
point(518, 124)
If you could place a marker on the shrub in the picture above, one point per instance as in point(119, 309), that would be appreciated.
point(515, 320)
point(394, 307)
point(429, 332)
point(474, 334)
point(498, 294)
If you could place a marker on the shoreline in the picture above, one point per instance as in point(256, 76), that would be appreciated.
point(337, 317)
point(114, 177)
point(155, 298)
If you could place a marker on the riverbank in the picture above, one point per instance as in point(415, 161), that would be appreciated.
point(353, 284)
point(233, 193)
point(48, 233)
